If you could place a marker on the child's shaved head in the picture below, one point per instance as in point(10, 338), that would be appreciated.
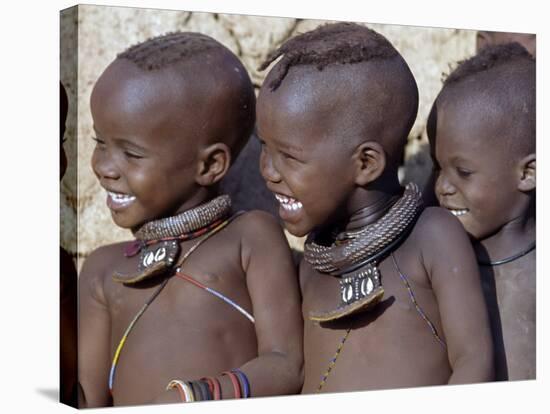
point(500, 82)
point(202, 69)
point(355, 75)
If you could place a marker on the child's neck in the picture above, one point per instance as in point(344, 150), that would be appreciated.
point(514, 237)
point(201, 196)
point(369, 205)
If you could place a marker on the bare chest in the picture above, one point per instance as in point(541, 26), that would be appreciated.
point(387, 347)
point(182, 330)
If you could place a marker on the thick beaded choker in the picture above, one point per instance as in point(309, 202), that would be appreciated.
point(354, 247)
point(158, 242)
point(186, 222)
point(354, 256)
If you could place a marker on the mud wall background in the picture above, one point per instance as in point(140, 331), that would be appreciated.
point(104, 31)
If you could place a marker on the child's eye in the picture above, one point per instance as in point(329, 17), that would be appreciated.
point(132, 155)
point(463, 172)
point(287, 156)
point(98, 141)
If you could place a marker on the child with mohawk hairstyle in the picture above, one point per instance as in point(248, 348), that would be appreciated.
point(482, 130)
point(391, 291)
point(205, 303)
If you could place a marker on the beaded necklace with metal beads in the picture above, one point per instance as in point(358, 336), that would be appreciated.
point(158, 241)
point(354, 256)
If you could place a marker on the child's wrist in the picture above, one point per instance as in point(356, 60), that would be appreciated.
point(211, 388)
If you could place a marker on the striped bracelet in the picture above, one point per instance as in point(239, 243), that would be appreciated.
point(243, 380)
point(235, 382)
point(215, 387)
point(184, 389)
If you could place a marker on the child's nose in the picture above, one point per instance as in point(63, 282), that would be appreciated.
point(443, 185)
point(268, 171)
point(103, 165)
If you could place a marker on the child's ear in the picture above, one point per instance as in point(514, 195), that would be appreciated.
point(528, 170)
point(214, 161)
point(370, 161)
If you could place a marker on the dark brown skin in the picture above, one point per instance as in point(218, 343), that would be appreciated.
point(495, 184)
point(510, 290)
point(318, 149)
point(186, 333)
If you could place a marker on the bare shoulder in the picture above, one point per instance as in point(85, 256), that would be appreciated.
point(99, 264)
point(436, 229)
point(263, 243)
point(258, 226)
point(441, 237)
point(436, 223)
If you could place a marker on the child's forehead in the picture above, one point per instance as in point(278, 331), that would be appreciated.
point(471, 106)
point(334, 95)
point(171, 89)
point(470, 122)
point(129, 100)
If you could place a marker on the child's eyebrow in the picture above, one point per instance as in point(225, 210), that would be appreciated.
point(123, 142)
point(289, 146)
point(127, 143)
point(283, 145)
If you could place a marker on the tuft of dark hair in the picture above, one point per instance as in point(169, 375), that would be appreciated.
point(171, 48)
point(487, 58)
point(330, 43)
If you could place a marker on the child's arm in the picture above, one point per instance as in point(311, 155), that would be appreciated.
point(274, 290)
point(93, 334)
point(451, 264)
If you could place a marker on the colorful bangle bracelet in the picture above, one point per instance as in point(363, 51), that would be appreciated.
point(204, 389)
point(177, 384)
point(186, 393)
point(197, 395)
point(245, 385)
point(215, 388)
point(235, 382)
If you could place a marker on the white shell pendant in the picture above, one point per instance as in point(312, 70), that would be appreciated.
point(166, 251)
point(359, 285)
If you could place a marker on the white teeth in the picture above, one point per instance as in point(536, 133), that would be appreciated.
point(289, 204)
point(121, 198)
point(292, 206)
point(458, 213)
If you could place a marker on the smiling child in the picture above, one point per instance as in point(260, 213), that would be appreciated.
point(204, 304)
point(482, 136)
point(391, 291)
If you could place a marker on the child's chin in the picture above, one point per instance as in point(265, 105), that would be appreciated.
point(124, 222)
point(296, 230)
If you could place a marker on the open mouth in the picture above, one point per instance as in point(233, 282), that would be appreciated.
point(288, 203)
point(119, 200)
point(458, 212)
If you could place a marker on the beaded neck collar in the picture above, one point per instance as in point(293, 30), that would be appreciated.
point(360, 245)
point(187, 222)
point(158, 242)
point(354, 256)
